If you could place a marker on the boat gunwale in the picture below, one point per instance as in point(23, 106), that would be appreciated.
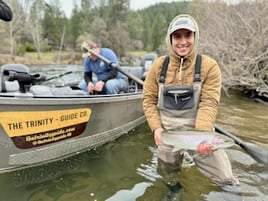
point(60, 100)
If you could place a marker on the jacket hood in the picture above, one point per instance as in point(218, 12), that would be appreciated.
point(193, 26)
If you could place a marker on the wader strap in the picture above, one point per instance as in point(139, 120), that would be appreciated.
point(164, 70)
point(197, 68)
point(196, 74)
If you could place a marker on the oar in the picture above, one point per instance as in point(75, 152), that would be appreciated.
point(259, 154)
point(57, 76)
point(117, 67)
point(256, 152)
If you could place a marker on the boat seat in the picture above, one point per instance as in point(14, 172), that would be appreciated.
point(42, 90)
point(146, 62)
point(132, 84)
point(6, 71)
point(135, 70)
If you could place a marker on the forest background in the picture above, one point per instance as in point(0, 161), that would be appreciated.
point(234, 34)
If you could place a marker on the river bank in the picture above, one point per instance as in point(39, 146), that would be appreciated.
point(64, 58)
point(44, 59)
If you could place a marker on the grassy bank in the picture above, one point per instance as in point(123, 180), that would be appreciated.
point(65, 58)
point(32, 58)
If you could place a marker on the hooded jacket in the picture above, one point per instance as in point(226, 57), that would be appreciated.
point(181, 72)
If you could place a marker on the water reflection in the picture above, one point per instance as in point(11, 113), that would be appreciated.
point(53, 70)
point(244, 117)
point(126, 170)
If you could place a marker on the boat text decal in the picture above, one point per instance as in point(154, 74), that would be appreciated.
point(36, 128)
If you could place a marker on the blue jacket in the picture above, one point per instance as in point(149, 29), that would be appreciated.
point(102, 70)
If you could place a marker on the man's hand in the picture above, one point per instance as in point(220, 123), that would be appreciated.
point(157, 136)
point(204, 148)
point(90, 87)
point(99, 86)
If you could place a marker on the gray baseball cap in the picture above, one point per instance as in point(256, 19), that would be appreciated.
point(183, 23)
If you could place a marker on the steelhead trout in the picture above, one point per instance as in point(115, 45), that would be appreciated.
point(191, 139)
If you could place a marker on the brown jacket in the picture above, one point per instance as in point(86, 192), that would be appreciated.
point(210, 91)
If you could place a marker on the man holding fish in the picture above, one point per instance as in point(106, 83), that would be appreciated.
point(182, 93)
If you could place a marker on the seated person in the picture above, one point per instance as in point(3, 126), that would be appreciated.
point(107, 80)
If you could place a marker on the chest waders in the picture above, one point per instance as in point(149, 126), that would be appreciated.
point(177, 107)
point(178, 104)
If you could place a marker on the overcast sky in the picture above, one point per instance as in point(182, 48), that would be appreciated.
point(67, 5)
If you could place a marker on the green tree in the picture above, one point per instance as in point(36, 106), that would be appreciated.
point(53, 24)
point(75, 27)
point(17, 27)
point(158, 33)
point(34, 23)
point(87, 15)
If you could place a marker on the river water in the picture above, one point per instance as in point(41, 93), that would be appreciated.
point(127, 169)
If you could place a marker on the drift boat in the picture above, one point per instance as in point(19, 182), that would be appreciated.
point(41, 124)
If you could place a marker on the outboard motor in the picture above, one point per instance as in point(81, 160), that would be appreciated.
point(16, 77)
point(146, 62)
point(25, 80)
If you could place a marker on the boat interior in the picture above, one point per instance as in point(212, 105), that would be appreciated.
point(17, 78)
